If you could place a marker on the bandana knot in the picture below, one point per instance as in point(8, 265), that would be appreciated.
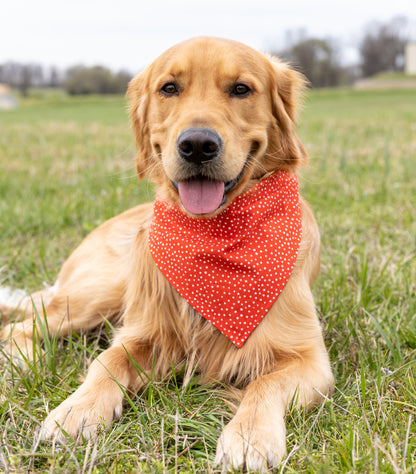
point(233, 266)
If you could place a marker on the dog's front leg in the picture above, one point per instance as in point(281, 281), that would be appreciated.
point(99, 399)
point(255, 438)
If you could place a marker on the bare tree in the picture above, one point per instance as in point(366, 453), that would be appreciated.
point(316, 58)
point(54, 79)
point(382, 47)
point(21, 76)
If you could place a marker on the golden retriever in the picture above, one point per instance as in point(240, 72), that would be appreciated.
point(213, 119)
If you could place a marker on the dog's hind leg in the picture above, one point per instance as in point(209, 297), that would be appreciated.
point(59, 311)
point(89, 289)
point(15, 304)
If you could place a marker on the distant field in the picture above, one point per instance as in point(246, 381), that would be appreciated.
point(388, 80)
point(67, 164)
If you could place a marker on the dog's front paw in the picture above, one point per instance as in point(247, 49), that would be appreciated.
point(255, 447)
point(79, 416)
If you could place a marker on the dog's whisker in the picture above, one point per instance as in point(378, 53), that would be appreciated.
point(256, 162)
point(154, 164)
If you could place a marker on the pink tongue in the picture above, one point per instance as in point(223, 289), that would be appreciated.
point(201, 196)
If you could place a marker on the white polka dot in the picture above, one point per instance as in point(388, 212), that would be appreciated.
point(232, 267)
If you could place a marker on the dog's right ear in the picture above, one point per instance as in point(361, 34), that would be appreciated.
point(138, 96)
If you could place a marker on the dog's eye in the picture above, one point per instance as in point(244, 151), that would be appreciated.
point(240, 90)
point(169, 89)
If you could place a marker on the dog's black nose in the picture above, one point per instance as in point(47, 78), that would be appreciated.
point(198, 145)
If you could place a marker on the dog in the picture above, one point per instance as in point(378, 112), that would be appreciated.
point(217, 273)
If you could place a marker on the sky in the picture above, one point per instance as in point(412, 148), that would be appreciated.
point(129, 34)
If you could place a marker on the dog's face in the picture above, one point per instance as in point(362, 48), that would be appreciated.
point(210, 115)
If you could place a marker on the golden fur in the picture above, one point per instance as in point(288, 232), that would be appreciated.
point(113, 273)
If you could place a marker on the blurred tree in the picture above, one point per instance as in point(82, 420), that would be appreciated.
point(95, 80)
point(21, 76)
point(317, 59)
point(382, 47)
point(78, 79)
point(31, 75)
point(54, 79)
point(121, 81)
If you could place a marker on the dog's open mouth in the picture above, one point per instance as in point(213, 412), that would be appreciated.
point(202, 195)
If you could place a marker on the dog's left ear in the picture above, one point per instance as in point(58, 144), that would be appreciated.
point(139, 104)
point(287, 88)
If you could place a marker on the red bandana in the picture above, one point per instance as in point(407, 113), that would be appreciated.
point(233, 266)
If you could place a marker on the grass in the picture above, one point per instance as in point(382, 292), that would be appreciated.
point(66, 165)
point(393, 75)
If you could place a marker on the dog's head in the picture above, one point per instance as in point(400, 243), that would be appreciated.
point(212, 115)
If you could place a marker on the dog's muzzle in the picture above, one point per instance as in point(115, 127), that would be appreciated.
point(201, 193)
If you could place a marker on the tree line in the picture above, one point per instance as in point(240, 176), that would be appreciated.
point(381, 48)
point(77, 80)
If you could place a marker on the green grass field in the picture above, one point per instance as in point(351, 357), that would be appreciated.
point(67, 165)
